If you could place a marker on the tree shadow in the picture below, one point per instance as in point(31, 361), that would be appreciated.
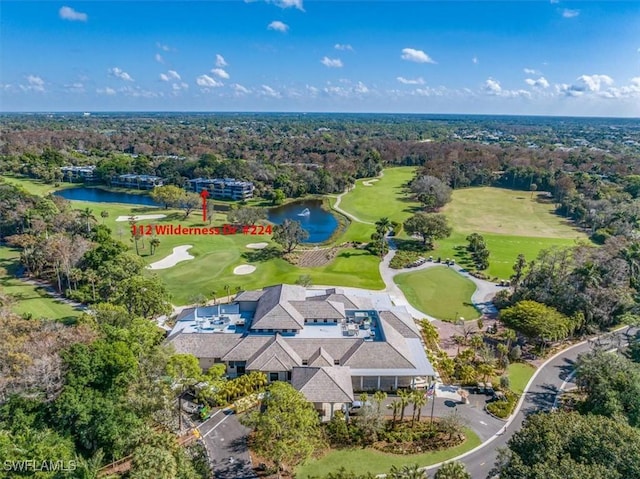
point(410, 245)
point(542, 399)
point(349, 254)
point(265, 254)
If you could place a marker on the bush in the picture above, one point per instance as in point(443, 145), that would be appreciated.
point(516, 353)
point(402, 259)
point(503, 408)
point(505, 382)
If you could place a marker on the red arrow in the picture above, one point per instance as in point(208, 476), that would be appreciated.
point(204, 194)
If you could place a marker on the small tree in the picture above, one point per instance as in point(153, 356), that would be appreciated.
point(428, 226)
point(289, 234)
point(452, 470)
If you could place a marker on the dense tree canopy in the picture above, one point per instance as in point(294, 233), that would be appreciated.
point(428, 226)
point(289, 234)
point(572, 446)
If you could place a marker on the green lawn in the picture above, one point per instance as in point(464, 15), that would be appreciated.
point(440, 292)
point(507, 212)
point(362, 461)
point(519, 375)
point(29, 299)
point(385, 197)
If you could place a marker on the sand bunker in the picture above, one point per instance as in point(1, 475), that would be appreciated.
point(179, 254)
point(140, 217)
point(257, 245)
point(244, 269)
point(368, 182)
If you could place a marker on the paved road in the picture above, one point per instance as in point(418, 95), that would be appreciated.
point(553, 376)
point(226, 442)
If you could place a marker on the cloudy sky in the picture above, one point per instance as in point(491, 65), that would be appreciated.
point(508, 57)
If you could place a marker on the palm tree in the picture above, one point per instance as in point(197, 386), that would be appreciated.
point(452, 470)
point(154, 243)
point(227, 288)
point(104, 214)
point(418, 400)
point(383, 225)
point(406, 472)
point(404, 396)
point(213, 296)
point(378, 398)
point(395, 408)
point(92, 278)
point(86, 215)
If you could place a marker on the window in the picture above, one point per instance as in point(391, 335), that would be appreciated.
point(326, 320)
point(305, 362)
point(217, 360)
point(273, 376)
point(336, 362)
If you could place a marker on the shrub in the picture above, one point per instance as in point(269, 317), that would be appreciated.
point(503, 408)
point(516, 353)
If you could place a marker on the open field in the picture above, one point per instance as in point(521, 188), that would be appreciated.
point(508, 212)
point(362, 461)
point(29, 298)
point(440, 292)
point(383, 198)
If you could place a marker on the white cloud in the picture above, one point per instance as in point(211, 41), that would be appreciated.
point(159, 58)
point(361, 88)
point(539, 83)
point(595, 82)
point(474, 60)
point(106, 91)
point(170, 75)
point(34, 83)
point(207, 81)
point(164, 48)
point(331, 62)
point(220, 61)
point(118, 73)
point(568, 13)
point(76, 87)
point(413, 55)
point(278, 26)
point(220, 73)
point(493, 87)
point(239, 89)
point(268, 91)
point(531, 71)
point(176, 87)
point(138, 92)
point(343, 46)
point(287, 4)
point(408, 81)
point(68, 13)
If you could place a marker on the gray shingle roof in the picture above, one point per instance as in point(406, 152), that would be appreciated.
point(204, 345)
point(335, 347)
point(274, 310)
point(336, 297)
point(249, 295)
point(246, 347)
point(402, 325)
point(319, 309)
point(275, 352)
point(321, 358)
point(332, 385)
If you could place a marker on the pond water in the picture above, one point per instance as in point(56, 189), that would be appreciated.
point(98, 195)
point(318, 222)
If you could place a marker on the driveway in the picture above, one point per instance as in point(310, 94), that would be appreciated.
point(226, 442)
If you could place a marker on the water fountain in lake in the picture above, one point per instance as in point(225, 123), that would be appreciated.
point(304, 212)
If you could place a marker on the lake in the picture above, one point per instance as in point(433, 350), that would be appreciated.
point(318, 222)
point(97, 195)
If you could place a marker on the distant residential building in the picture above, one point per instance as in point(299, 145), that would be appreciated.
point(74, 174)
point(141, 182)
point(223, 188)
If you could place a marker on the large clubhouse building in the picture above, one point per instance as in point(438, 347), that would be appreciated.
point(325, 342)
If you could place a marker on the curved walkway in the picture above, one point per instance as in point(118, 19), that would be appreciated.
point(336, 206)
point(481, 298)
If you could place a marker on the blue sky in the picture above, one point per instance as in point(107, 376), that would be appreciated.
point(509, 57)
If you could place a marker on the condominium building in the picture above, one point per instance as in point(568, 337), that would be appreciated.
point(223, 188)
point(74, 174)
point(141, 182)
